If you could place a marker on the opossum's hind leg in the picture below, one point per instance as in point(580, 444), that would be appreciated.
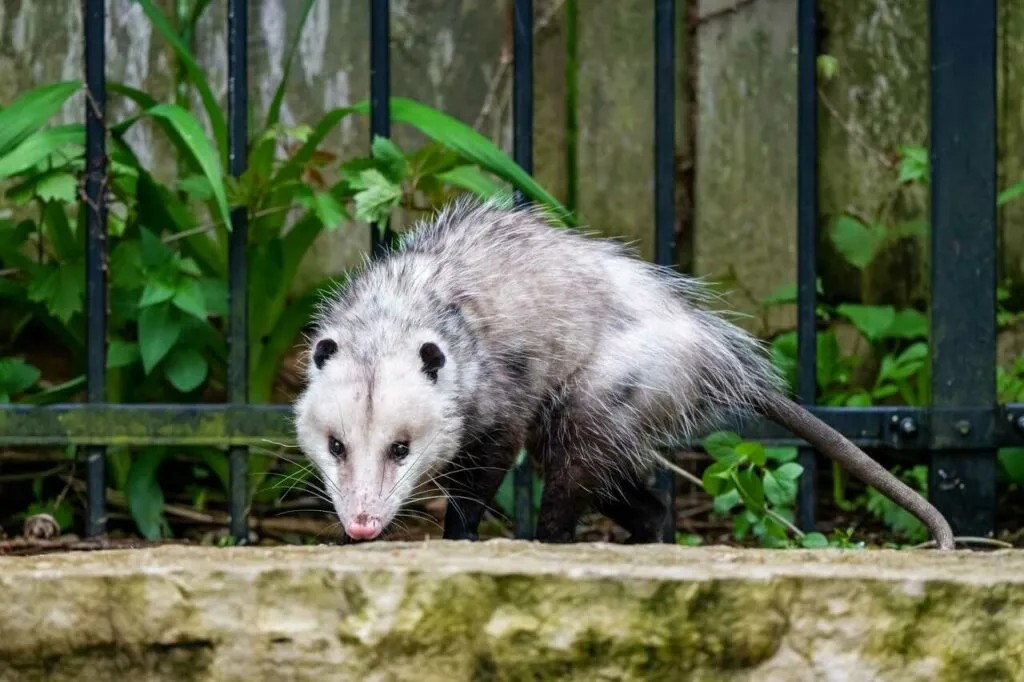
point(472, 479)
point(636, 509)
point(578, 455)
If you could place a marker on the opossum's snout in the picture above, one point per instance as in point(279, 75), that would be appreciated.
point(364, 527)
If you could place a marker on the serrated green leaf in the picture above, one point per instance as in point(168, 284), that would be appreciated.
point(472, 146)
point(857, 242)
point(189, 298)
point(871, 320)
point(186, 369)
point(39, 146)
point(377, 197)
point(789, 472)
point(753, 452)
point(159, 329)
point(721, 444)
point(29, 111)
point(16, 375)
point(145, 496)
point(62, 187)
point(155, 292)
point(61, 288)
point(387, 155)
point(121, 353)
point(152, 249)
point(814, 541)
point(203, 153)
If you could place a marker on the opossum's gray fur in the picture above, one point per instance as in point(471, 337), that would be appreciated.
point(568, 313)
point(536, 319)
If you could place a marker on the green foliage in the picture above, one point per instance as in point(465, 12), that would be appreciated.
point(168, 241)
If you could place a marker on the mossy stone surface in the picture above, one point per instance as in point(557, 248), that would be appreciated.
point(506, 610)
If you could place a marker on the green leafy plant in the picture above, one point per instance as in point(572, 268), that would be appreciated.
point(168, 242)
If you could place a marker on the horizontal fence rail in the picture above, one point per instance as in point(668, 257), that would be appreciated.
point(960, 431)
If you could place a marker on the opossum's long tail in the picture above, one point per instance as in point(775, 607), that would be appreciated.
point(830, 442)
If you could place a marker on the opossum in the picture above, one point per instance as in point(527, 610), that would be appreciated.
point(489, 329)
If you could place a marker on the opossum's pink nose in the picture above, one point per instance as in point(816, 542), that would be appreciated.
point(363, 527)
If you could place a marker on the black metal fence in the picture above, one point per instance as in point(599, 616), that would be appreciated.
point(959, 432)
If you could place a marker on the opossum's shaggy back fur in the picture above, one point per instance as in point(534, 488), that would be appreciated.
point(554, 332)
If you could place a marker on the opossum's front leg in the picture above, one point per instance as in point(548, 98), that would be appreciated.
point(472, 480)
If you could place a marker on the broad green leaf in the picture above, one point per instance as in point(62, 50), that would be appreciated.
point(121, 353)
point(213, 110)
point(145, 496)
point(753, 452)
point(721, 443)
point(779, 491)
point(914, 164)
point(186, 369)
point(725, 502)
point(30, 111)
point(860, 398)
point(215, 295)
point(814, 541)
point(716, 478)
point(16, 375)
point(58, 230)
point(155, 292)
point(908, 324)
point(471, 179)
point(472, 146)
point(781, 454)
point(325, 206)
point(39, 146)
point(159, 329)
point(856, 242)
point(884, 391)
point(828, 357)
point(828, 67)
point(274, 114)
point(189, 298)
point(1011, 460)
point(749, 486)
point(1010, 193)
point(205, 156)
point(789, 472)
point(61, 288)
point(871, 320)
point(57, 187)
point(197, 187)
point(153, 250)
point(917, 351)
point(387, 154)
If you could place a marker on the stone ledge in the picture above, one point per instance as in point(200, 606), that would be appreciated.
point(505, 610)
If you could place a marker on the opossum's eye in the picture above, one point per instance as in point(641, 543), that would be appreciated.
point(433, 359)
point(336, 447)
point(325, 348)
point(399, 450)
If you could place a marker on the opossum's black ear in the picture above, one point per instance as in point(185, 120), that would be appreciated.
point(325, 348)
point(433, 359)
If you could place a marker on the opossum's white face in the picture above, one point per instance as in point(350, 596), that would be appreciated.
point(376, 432)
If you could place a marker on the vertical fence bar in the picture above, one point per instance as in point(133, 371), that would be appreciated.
point(572, 54)
point(664, 184)
point(238, 353)
point(522, 150)
point(95, 250)
point(380, 94)
point(807, 229)
point(963, 281)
